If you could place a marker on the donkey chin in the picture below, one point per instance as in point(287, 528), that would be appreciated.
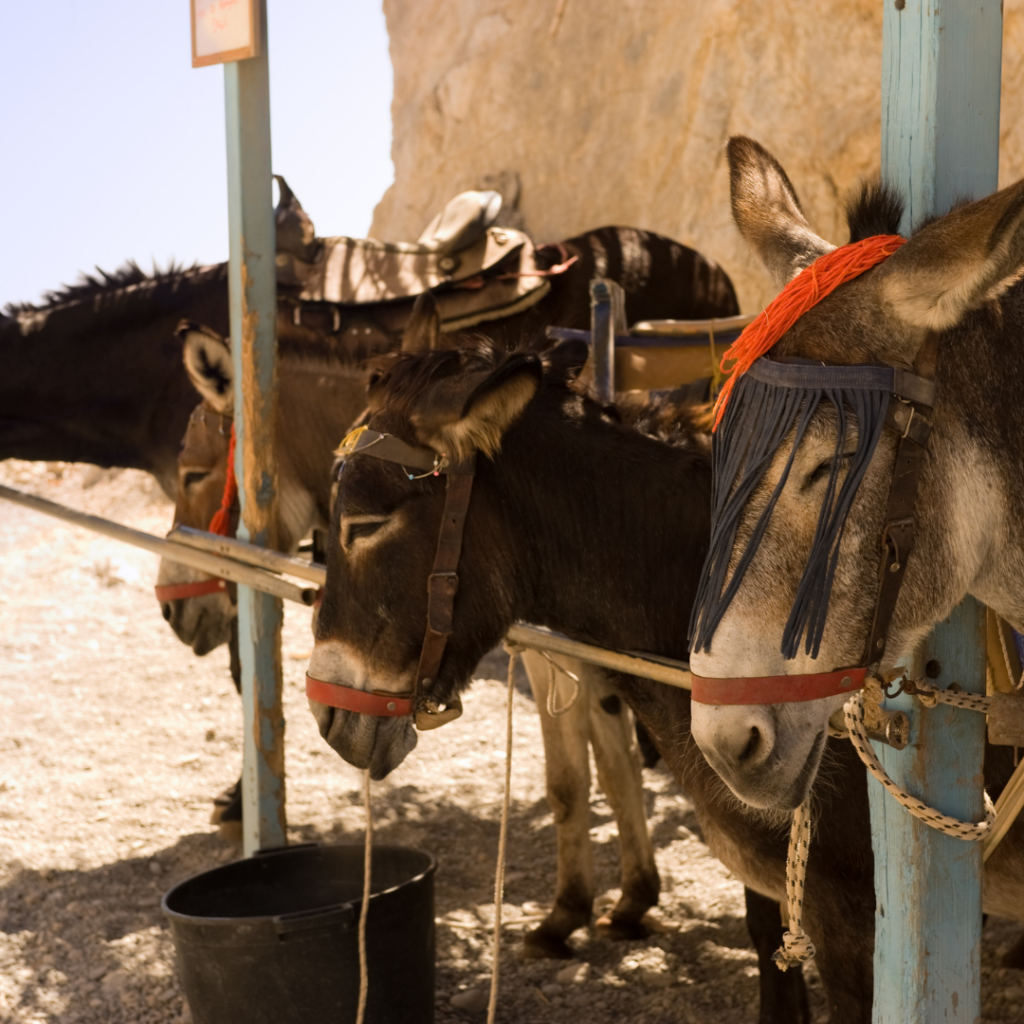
point(365, 741)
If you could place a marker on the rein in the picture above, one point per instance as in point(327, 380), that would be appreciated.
point(794, 389)
point(442, 585)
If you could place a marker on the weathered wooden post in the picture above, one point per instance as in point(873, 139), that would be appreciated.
point(940, 142)
point(237, 36)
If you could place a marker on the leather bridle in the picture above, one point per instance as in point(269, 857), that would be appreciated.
point(442, 585)
point(911, 417)
point(213, 584)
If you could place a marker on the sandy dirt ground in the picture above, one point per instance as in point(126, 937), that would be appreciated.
point(114, 737)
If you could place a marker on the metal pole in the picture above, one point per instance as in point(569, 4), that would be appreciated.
point(253, 306)
point(940, 142)
point(602, 334)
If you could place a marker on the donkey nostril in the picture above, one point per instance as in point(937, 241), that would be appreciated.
point(753, 744)
point(167, 611)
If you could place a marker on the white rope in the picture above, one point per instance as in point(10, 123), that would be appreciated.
point(854, 714)
point(364, 972)
point(553, 710)
point(797, 947)
point(514, 650)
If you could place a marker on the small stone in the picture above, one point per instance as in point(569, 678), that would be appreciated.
point(116, 981)
point(97, 972)
point(574, 974)
point(551, 989)
point(657, 979)
point(1014, 995)
point(211, 735)
point(473, 1000)
point(154, 868)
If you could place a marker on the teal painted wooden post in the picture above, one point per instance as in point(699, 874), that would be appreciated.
point(253, 305)
point(940, 142)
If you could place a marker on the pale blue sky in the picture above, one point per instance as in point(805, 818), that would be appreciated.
point(112, 145)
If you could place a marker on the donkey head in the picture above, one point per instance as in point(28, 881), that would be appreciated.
point(384, 533)
point(944, 279)
point(203, 622)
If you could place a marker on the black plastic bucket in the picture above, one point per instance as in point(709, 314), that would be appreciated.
point(274, 939)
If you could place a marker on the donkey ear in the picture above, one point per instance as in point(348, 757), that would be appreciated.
point(958, 262)
point(208, 364)
point(767, 211)
point(565, 359)
point(475, 413)
point(423, 331)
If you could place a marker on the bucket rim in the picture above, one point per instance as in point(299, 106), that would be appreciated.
point(333, 909)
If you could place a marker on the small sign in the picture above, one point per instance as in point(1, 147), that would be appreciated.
point(223, 31)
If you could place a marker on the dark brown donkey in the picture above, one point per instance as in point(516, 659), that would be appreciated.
point(551, 522)
point(584, 525)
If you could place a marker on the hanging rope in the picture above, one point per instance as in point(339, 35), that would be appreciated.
point(514, 650)
point(553, 710)
point(364, 973)
point(797, 947)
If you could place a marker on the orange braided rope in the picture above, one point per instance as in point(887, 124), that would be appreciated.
point(221, 521)
point(807, 289)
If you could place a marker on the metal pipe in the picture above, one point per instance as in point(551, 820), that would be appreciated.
point(661, 670)
point(215, 565)
point(209, 552)
point(250, 554)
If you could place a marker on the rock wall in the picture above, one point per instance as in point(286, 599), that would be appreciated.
point(617, 111)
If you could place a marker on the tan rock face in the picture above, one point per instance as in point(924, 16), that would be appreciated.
point(618, 112)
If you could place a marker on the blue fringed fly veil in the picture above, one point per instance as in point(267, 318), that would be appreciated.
point(771, 401)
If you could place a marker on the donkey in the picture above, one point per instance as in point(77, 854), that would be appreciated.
point(582, 524)
point(952, 289)
point(317, 402)
point(94, 372)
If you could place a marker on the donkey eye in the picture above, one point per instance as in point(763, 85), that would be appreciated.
point(194, 478)
point(360, 528)
point(824, 470)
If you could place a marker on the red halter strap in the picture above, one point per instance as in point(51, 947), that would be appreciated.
point(363, 702)
point(776, 689)
point(220, 524)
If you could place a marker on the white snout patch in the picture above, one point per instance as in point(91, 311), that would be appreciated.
point(334, 661)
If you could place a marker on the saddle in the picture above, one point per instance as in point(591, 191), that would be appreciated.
point(477, 271)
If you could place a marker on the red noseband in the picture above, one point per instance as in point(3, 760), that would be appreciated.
point(363, 702)
point(776, 689)
point(177, 591)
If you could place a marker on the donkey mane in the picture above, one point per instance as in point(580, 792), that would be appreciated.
point(88, 286)
point(877, 209)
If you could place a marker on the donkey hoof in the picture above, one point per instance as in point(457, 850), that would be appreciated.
point(227, 806)
point(542, 945)
point(621, 929)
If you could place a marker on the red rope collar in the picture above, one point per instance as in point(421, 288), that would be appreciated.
point(807, 289)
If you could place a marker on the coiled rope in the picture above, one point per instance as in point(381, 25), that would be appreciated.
point(797, 947)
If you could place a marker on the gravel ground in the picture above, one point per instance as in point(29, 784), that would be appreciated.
point(115, 737)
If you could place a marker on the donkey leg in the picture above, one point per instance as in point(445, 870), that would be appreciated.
point(227, 805)
point(619, 773)
point(783, 993)
point(567, 769)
